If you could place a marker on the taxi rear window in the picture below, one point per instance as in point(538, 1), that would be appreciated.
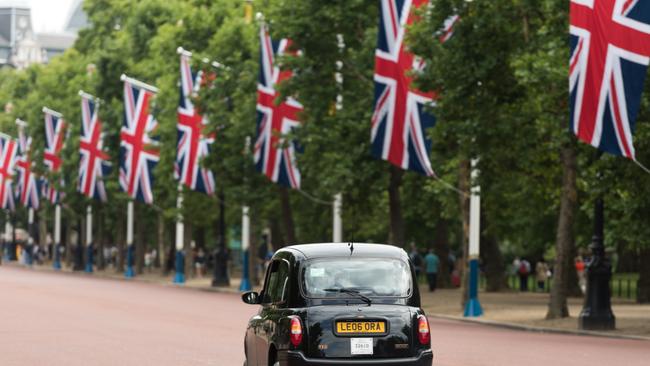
point(379, 277)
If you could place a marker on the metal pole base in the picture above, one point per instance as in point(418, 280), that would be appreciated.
point(130, 272)
point(89, 259)
point(597, 312)
point(56, 263)
point(130, 259)
point(473, 306)
point(220, 277)
point(179, 277)
point(245, 282)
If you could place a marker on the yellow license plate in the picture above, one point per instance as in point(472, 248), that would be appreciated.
point(361, 327)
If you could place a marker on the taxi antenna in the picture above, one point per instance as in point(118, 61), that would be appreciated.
point(351, 246)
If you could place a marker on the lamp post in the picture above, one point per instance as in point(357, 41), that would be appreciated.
point(597, 312)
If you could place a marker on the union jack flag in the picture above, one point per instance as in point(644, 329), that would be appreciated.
point(138, 158)
point(54, 139)
point(399, 120)
point(93, 163)
point(192, 144)
point(610, 50)
point(28, 185)
point(8, 148)
point(275, 157)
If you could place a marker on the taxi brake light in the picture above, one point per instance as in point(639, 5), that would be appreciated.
point(424, 334)
point(296, 331)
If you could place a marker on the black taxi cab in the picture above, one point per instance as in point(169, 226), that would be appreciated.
point(338, 304)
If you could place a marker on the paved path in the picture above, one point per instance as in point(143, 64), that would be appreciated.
point(63, 319)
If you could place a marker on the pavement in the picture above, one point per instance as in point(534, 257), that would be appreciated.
point(527, 311)
point(65, 319)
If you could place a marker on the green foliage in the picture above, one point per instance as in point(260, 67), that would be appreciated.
point(502, 81)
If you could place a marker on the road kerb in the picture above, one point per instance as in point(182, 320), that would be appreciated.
point(529, 328)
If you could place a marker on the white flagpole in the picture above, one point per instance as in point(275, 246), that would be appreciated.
point(89, 239)
point(337, 223)
point(179, 277)
point(130, 251)
point(139, 83)
point(337, 232)
point(473, 306)
point(57, 237)
point(245, 284)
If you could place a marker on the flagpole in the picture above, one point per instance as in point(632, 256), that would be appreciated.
point(473, 306)
point(139, 83)
point(30, 239)
point(245, 284)
point(89, 239)
point(130, 250)
point(337, 231)
point(57, 237)
point(245, 245)
point(337, 204)
point(179, 277)
point(7, 247)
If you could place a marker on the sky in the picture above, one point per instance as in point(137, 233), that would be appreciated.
point(47, 15)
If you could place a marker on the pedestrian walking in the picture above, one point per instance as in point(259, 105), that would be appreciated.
point(523, 272)
point(580, 270)
point(541, 274)
point(432, 263)
point(416, 259)
point(199, 263)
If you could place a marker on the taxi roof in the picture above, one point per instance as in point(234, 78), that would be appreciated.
point(319, 250)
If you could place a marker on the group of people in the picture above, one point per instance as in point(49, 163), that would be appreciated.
point(523, 269)
point(428, 264)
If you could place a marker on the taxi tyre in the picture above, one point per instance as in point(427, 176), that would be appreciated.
point(297, 358)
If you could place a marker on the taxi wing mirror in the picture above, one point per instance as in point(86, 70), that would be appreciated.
point(251, 297)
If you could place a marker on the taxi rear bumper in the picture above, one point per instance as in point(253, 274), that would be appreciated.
point(297, 358)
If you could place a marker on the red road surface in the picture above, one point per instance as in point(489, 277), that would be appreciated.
point(58, 319)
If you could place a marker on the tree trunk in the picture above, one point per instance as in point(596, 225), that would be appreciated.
point(120, 237)
point(643, 294)
point(162, 254)
point(276, 236)
point(396, 235)
point(441, 246)
point(495, 268)
point(42, 232)
point(464, 186)
point(67, 237)
point(557, 307)
point(287, 217)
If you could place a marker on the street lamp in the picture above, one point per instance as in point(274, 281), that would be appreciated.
point(597, 312)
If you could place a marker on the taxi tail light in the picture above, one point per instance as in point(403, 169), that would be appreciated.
point(424, 333)
point(295, 331)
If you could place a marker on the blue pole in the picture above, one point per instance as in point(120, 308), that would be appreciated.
point(130, 256)
point(5, 251)
point(473, 306)
point(179, 277)
point(56, 264)
point(89, 259)
point(245, 281)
